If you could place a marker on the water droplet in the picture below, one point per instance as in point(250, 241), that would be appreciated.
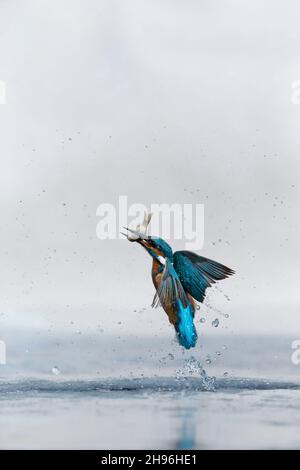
point(215, 323)
point(202, 320)
point(226, 315)
point(171, 357)
point(55, 370)
point(197, 307)
point(224, 347)
point(218, 353)
point(208, 360)
point(193, 367)
point(225, 374)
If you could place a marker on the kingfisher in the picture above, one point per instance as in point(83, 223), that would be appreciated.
point(180, 280)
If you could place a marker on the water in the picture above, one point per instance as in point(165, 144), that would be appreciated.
point(55, 370)
point(215, 323)
point(146, 393)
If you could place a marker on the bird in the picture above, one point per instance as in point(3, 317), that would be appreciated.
point(180, 280)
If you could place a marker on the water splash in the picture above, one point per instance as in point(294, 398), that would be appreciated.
point(193, 367)
point(143, 384)
point(55, 370)
point(217, 288)
point(216, 310)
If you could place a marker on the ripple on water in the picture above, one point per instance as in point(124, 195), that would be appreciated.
point(155, 384)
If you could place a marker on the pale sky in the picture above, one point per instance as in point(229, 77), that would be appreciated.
point(163, 101)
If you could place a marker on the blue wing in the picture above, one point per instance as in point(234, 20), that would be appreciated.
point(170, 288)
point(197, 273)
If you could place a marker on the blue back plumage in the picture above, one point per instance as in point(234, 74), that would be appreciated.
point(170, 292)
point(185, 329)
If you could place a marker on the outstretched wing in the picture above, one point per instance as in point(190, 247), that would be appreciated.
point(169, 289)
point(197, 273)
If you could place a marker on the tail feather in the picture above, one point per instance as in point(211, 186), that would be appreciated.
point(185, 328)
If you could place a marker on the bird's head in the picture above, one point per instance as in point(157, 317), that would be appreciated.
point(155, 246)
